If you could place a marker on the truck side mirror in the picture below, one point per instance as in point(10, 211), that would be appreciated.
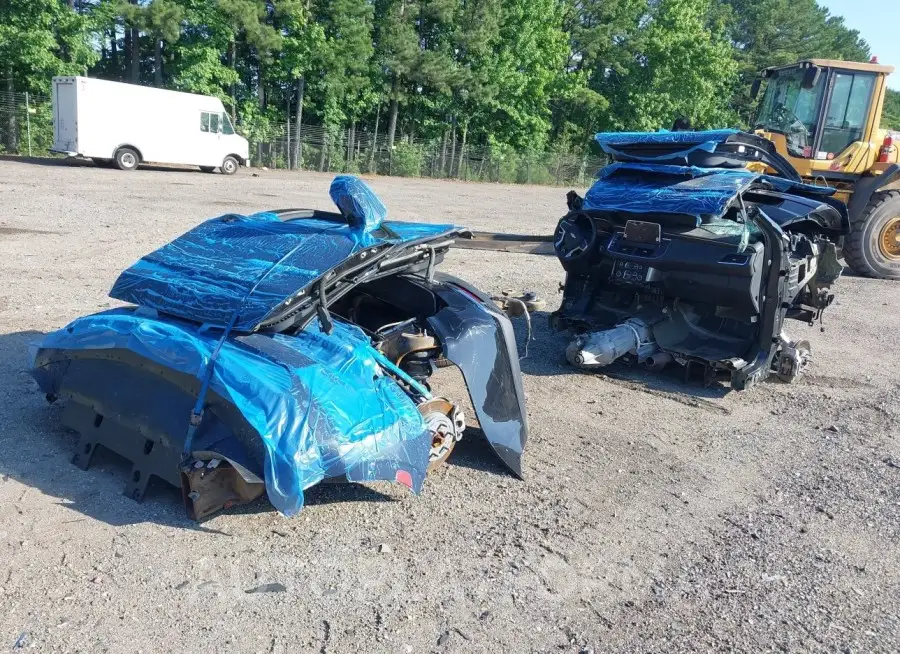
point(754, 88)
point(810, 77)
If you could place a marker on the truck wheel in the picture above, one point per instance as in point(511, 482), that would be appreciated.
point(127, 158)
point(229, 165)
point(873, 247)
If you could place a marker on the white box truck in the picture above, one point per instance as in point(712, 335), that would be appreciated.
point(126, 124)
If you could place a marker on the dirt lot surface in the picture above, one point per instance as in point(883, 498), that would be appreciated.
point(655, 516)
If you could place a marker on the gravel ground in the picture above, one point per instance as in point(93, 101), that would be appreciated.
point(655, 516)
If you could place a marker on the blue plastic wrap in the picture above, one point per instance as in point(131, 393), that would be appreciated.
point(321, 404)
point(357, 202)
point(247, 264)
point(651, 188)
point(324, 405)
point(706, 141)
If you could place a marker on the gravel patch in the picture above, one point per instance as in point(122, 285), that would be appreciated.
point(655, 516)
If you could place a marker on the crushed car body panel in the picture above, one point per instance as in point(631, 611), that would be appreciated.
point(722, 148)
point(479, 340)
point(258, 358)
point(705, 193)
point(321, 404)
point(646, 188)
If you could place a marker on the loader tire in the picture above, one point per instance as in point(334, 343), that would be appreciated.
point(873, 247)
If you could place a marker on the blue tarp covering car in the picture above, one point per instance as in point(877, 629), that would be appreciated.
point(276, 350)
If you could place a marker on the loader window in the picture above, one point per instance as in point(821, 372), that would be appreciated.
point(790, 109)
point(847, 112)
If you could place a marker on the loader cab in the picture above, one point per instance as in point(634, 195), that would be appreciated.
point(824, 115)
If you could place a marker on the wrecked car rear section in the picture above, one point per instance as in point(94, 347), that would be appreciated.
point(267, 353)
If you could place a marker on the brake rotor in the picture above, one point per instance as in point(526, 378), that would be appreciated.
point(792, 361)
point(445, 423)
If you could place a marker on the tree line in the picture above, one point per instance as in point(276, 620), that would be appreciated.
point(527, 75)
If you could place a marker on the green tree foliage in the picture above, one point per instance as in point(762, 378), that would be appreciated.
point(527, 61)
point(343, 83)
point(601, 37)
point(890, 119)
point(680, 68)
point(161, 19)
point(777, 32)
point(509, 75)
point(412, 53)
point(40, 39)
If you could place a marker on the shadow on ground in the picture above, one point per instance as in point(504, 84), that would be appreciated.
point(547, 357)
point(38, 161)
point(89, 163)
point(475, 453)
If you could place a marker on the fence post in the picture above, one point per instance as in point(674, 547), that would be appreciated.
point(28, 121)
point(287, 131)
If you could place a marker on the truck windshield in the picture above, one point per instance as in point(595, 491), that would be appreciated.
point(790, 109)
point(226, 125)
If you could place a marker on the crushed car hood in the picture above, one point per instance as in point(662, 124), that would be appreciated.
point(648, 188)
point(702, 193)
point(243, 268)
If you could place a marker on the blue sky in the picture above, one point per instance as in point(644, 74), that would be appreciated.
point(878, 22)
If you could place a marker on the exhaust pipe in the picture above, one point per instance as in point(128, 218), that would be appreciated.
point(657, 361)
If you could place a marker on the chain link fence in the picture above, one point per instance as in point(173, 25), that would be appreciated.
point(349, 150)
point(317, 148)
point(26, 124)
point(26, 127)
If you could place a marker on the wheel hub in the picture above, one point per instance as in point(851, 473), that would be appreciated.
point(445, 422)
point(792, 360)
point(890, 239)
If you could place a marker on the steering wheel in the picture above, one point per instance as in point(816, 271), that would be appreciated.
point(575, 236)
point(789, 121)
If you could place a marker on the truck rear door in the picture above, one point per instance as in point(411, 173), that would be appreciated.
point(65, 115)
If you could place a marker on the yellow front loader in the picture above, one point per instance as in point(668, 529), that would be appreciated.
point(824, 117)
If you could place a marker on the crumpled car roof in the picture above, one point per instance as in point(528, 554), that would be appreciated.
point(610, 142)
point(240, 268)
point(719, 148)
